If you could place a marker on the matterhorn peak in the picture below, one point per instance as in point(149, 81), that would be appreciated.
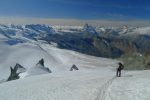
point(88, 28)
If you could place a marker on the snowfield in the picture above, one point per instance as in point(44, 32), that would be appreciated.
point(28, 54)
point(61, 84)
point(95, 79)
point(132, 86)
point(79, 85)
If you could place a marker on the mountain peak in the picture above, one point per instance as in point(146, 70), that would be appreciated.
point(88, 28)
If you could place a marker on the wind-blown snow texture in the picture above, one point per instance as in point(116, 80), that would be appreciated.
point(95, 79)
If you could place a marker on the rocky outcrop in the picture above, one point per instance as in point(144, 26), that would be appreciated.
point(41, 65)
point(38, 69)
point(41, 62)
point(14, 72)
point(74, 67)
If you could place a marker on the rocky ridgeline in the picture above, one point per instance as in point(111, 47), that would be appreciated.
point(14, 72)
point(18, 69)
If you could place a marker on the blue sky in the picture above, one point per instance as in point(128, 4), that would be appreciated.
point(77, 9)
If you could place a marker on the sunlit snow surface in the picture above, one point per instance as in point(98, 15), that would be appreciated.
point(50, 86)
point(95, 79)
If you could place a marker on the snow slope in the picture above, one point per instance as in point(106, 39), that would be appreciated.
point(132, 86)
point(28, 54)
point(50, 86)
point(95, 79)
point(79, 85)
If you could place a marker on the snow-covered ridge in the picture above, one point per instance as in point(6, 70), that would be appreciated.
point(25, 32)
point(28, 54)
point(36, 31)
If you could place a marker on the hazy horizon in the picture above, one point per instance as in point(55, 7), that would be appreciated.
point(72, 22)
point(76, 12)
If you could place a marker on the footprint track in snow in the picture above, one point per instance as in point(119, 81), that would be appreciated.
point(103, 90)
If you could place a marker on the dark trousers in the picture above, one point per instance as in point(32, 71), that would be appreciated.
point(118, 74)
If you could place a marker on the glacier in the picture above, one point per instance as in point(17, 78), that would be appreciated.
point(95, 79)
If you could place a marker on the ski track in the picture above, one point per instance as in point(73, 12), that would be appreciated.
point(103, 90)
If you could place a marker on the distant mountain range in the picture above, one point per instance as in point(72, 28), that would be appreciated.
point(111, 42)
